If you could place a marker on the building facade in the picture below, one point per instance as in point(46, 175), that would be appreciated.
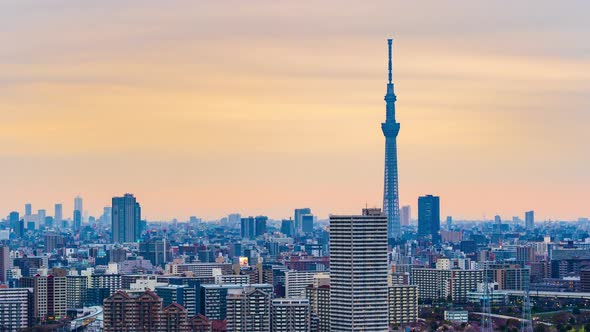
point(358, 272)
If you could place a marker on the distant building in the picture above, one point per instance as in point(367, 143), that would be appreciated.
point(28, 209)
point(307, 223)
point(299, 219)
point(155, 250)
point(58, 214)
point(126, 216)
point(429, 218)
point(529, 218)
point(17, 226)
point(288, 227)
point(406, 215)
point(248, 310)
point(449, 222)
point(291, 315)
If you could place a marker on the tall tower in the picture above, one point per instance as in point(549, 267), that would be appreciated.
point(390, 130)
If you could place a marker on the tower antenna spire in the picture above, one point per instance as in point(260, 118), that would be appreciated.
point(389, 41)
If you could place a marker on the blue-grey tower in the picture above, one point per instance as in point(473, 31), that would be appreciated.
point(390, 130)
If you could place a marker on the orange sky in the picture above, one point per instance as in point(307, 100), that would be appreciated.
point(207, 108)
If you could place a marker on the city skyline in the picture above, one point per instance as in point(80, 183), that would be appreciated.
point(221, 119)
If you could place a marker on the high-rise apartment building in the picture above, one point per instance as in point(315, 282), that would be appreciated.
point(403, 304)
point(429, 218)
point(291, 315)
point(296, 282)
point(50, 296)
point(248, 309)
point(15, 304)
point(132, 312)
point(76, 290)
point(358, 272)
point(319, 300)
point(441, 285)
point(126, 217)
point(181, 294)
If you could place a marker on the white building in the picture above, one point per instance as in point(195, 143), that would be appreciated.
point(358, 272)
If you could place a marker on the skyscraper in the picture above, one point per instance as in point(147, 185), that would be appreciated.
point(406, 215)
point(529, 218)
point(126, 216)
point(77, 220)
point(429, 218)
point(298, 219)
point(390, 130)
point(58, 215)
point(4, 262)
point(28, 209)
point(78, 204)
point(17, 226)
point(358, 272)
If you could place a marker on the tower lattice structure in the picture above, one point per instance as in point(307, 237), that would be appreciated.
point(390, 130)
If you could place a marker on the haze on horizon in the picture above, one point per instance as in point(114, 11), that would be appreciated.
point(208, 108)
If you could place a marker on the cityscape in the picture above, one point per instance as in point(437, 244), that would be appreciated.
point(120, 255)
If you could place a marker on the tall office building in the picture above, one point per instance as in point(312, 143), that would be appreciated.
point(358, 272)
point(233, 220)
point(449, 222)
point(390, 130)
point(126, 216)
point(287, 227)
point(429, 218)
point(4, 263)
point(41, 214)
point(299, 219)
point(529, 218)
point(28, 209)
point(58, 214)
point(406, 215)
point(78, 204)
point(307, 223)
point(17, 226)
point(253, 227)
point(77, 220)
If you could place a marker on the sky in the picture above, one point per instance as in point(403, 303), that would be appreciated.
point(211, 107)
